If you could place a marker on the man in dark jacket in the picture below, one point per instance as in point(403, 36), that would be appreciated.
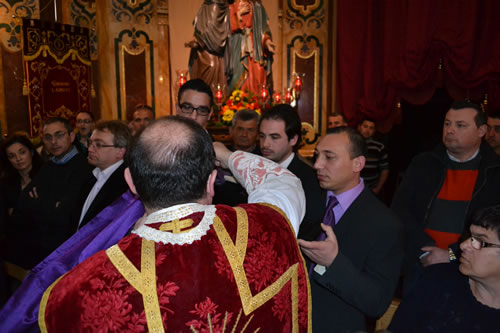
point(53, 193)
point(442, 187)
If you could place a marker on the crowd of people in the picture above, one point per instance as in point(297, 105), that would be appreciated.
point(153, 225)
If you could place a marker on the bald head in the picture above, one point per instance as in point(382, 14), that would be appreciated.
point(171, 162)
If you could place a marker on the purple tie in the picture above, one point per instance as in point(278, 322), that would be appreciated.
point(329, 217)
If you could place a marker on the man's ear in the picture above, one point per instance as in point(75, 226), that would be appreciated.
point(121, 153)
point(359, 163)
point(130, 181)
point(293, 141)
point(210, 185)
point(483, 129)
point(72, 136)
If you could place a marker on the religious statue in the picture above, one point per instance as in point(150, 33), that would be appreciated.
point(210, 58)
point(252, 47)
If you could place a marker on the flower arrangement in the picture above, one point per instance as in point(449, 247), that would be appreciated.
point(238, 100)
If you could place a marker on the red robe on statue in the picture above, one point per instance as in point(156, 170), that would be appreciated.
point(209, 269)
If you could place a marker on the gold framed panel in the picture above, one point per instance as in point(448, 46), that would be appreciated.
point(133, 43)
point(316, 77)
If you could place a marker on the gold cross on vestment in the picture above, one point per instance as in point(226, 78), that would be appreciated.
point(176, 225)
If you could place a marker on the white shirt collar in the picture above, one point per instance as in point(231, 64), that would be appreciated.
point(106, 173)
point(287, 161)
point(454, 159)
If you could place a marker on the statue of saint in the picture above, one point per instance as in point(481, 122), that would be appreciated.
point(210, 58)
point(252, 47)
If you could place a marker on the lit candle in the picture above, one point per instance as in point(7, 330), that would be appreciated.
point(298, 84)
point(218, 95)
point(182, 80)
point(277, 97)
point(288, 96)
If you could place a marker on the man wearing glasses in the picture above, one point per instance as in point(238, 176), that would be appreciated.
point(107, 148)
point(85, 125)
point(52, 195)
point(195, 100)
point(459, 299)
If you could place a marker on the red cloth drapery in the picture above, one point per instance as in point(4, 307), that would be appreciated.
point(392, 49)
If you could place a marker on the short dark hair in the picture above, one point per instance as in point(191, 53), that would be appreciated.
point(290, 117)
point(367, 119)
point(171, 161)
point(357, 144)
point(143, 107)
point(337, 114)
point(53, 120)
point(87, 112)
point(121, 133)
point(197, 85)
point(10, 173)
point(245, 115)
point(494, 115)
point(488, 218)
point(480, 118)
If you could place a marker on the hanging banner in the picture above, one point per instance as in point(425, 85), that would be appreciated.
point(57, 69)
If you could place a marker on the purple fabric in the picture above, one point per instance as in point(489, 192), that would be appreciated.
point(20, 314)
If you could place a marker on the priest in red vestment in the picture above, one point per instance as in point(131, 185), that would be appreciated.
point(189, 266)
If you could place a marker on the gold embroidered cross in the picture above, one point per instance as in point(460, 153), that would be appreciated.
point(176, 225)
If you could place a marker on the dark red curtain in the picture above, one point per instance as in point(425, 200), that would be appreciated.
point(393, 49)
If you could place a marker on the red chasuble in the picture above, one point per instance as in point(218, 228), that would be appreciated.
point(215, 269)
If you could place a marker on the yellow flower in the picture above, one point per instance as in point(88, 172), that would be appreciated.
point(258, 111)
point(228, 115)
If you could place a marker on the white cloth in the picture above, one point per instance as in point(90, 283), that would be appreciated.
point(102, 177)
point(268, 182)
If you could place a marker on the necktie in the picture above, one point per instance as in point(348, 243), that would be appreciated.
point(329, 217)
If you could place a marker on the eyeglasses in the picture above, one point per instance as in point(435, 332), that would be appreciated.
point(58, 136)
point(84, 121)
point(188, 108)
point(99, 144)
point(479, 244)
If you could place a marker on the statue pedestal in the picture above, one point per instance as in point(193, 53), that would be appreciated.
point(220, 133)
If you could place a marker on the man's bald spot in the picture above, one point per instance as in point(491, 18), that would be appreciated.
point(164, 139)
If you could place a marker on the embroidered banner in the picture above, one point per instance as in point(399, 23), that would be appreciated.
point(57, 66)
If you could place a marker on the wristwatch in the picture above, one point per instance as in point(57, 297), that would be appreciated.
point(451, 255)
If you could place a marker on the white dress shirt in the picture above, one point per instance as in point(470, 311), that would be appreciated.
point(102, 177)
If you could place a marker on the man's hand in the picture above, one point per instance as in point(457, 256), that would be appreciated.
point(33, 193)
point(435, 256)
point(222, 154)
point(322, 252)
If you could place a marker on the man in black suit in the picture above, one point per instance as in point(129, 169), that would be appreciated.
point(355, 269)
point(107, 148)
point(280, 136)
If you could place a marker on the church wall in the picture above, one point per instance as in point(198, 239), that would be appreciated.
point(148, 36)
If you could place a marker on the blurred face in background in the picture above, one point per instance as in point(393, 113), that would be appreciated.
point(85, 124)
point(366, 129)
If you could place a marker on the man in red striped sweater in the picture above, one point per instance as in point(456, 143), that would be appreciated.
point(442, 187)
